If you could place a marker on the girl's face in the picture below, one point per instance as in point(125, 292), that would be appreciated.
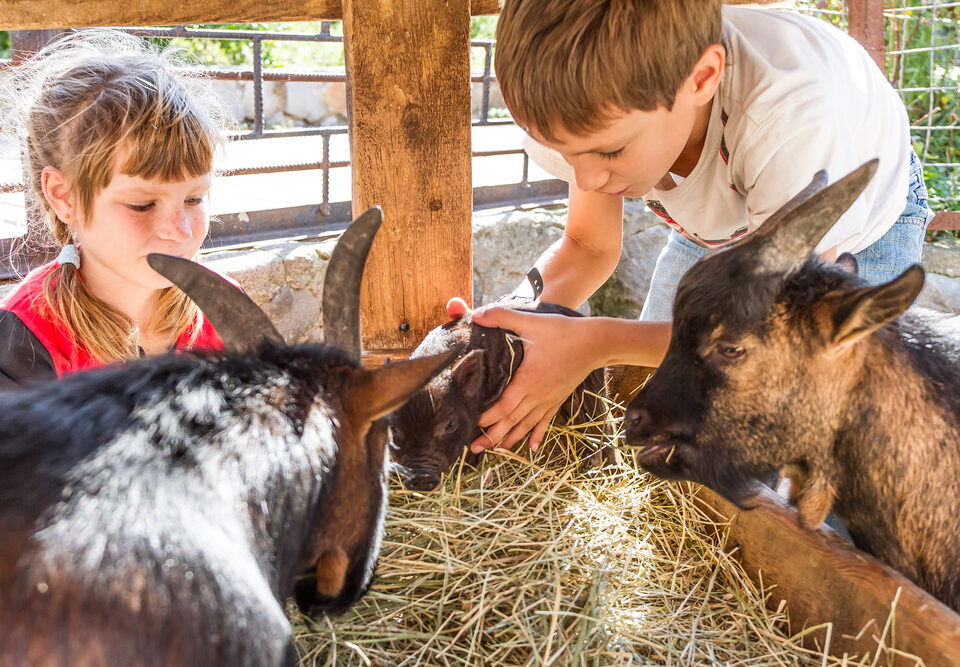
point(133, 217)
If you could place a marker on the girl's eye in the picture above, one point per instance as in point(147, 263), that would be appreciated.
point(730, 351)
point(140, 208)
point(611, 156)
point(195, 201)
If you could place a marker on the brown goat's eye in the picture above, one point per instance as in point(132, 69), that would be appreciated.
point(730, 351)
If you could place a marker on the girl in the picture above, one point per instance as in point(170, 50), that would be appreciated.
point(118, 152)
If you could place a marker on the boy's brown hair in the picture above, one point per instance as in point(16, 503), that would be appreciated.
point(570, 63)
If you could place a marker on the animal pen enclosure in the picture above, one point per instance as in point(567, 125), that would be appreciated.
point(409, 124)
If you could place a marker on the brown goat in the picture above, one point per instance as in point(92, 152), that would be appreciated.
point(780, 361)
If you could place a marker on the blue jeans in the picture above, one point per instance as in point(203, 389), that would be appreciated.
point(882, 261)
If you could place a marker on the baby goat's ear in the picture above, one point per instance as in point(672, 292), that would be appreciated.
point(848, 263)
point(371, 394)
point(863, 311)
point(468, 375)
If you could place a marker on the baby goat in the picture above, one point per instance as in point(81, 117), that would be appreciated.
point(432, 429)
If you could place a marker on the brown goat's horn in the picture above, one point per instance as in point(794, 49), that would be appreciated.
point(785, 241)
point(242, 326)
point(341, 285)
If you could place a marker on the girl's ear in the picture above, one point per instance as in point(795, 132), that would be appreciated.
point(56, 191)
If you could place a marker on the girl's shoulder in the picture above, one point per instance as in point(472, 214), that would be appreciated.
point(25, 295)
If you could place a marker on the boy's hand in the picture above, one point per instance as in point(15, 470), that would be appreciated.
point(457, 307)
point(555, 360)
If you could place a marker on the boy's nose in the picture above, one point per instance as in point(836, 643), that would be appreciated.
point(590, 179)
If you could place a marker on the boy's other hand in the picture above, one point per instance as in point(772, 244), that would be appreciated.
point(457, 307)
point(555, 360)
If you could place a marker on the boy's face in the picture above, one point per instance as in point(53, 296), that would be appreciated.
point(635, 150)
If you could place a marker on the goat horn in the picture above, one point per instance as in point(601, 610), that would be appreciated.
point(242, 326)
point(790, 235)
point(341, 285)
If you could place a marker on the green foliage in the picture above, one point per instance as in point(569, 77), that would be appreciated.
point(239, 52)
point(4, 44)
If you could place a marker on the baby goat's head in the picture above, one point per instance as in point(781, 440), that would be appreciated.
point(755, 371)
point(336, 408)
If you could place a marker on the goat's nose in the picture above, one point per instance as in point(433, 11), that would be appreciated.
point(422, 482)
point(638, 421)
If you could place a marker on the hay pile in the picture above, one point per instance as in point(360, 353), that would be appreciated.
point(519, 564)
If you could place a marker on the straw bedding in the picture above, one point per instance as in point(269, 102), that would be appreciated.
point(523, 563)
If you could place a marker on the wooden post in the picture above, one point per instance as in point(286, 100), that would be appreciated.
point(409, 116)
point(866, 26)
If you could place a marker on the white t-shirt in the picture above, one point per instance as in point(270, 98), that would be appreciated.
point(797, 95)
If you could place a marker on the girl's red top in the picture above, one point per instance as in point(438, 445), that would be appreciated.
point(34, 344)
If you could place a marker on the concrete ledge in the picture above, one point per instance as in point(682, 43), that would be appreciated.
point(285, 277)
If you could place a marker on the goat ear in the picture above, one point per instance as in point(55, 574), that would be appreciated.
point(785, 241)
point(865, 310)
point(371, 394)
point(848, 263)
point(468, 374)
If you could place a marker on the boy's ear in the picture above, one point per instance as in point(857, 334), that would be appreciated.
point(56, 190)
point(865, 310)
point(705, 77)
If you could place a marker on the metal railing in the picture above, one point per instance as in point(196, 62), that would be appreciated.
point(325, 216)
point(922, 61)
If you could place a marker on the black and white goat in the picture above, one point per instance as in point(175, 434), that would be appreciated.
point(161, 512)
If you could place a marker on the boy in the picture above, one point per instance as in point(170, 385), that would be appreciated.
point(716, 117)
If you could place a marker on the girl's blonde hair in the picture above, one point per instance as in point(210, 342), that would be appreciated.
point(88, 100)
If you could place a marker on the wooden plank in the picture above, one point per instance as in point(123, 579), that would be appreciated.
point(949, 220)
point(484, 7)
point(408, 73)
point(825, 579)
point(36, 14)
point(865, 24)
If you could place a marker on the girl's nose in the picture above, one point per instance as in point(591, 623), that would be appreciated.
point(176, 227)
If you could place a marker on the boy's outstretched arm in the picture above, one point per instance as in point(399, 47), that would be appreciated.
point(559, 352)
point(584, 257)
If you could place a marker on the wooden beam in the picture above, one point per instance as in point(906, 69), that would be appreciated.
point(39, 14)
point(865, 24)
point(409, 89)
point(949, 220)
point(826, 580)
point(36, 14)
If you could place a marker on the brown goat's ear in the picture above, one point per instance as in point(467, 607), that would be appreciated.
point(785, 241)
point(371, 394)
point(865, 310)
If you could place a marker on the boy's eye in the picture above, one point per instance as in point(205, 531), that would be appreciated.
point(195, 201)
point(140, 208)
point(611, 156)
